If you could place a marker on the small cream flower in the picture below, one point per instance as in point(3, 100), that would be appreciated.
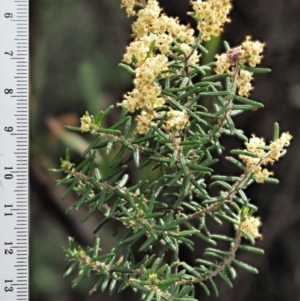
point(144, 121)
point(251, 225)
point(177, 120)
point(261, 175)
point(254, 50)
point(86, 123)
point(129, 5)
point(243, 82)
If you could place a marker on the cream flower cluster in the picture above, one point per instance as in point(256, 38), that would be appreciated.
point(86, 123)
point(157, 32)
point(251, 225)
point(258, 146)
point(254, 50)
point(129, 6)
point(249, 52)
point(176, 120)
point(211, 16)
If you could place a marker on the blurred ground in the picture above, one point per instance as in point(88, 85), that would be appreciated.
point(75, 49)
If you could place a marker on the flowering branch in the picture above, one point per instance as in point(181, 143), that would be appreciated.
point(175, 134)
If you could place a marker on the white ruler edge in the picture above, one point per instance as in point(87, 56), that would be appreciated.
point(14, 150)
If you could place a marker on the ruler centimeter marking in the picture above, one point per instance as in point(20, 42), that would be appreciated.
point(14, 150)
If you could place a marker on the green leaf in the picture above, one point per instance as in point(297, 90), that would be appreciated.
point(118, 156)
point(220, 183)
point(199, 167)
point(118, 171)
point(68, 157)
point(150, 230)
point(231, 271)
point(214, 286)
point(215, 77)
point(206, 262)
point(136, 156)
point(226, 279)
point(250, 102)
point(245, 266)
point(271, 181)
point(87, 161)
point(96, 244)
point(172, 279)
point(190, 142)
point(156, 263)
point(222, 237)
point(135, 237)
point(205, 288)
point(184, 233)
point(71, 269)
point(127, 68)
point(174, 179)
point(121, 122)
point(184, 88)
point(236, 163)
point(160, 159)
point(123, 270)
point(109, 131)
point(149, 242)
point(219, 93)
point(169, 242)
point(98, 118)
point(126, 195)
point(219, 252)
point(72, 128)
point(74, 183)
point(240, 135)
point(55, 170)
point(206, 239)
point(105, 256)
point(91, 146)
point(109, 146)
point(101, 224)
point(256, 70)
point(276, 131)
point(139, 287)
point(226, 45)
point(230, 123)
point(242, 107)
point(197, 68)
point(150, 296)
point(112, 286)
point(105, 284)
point(252, 249)
point(190, 269)
point(83, 272)
point(185, 81)
point(84, 197)
point(249, 236)
point(107, 111)
point(186, 289)
point(183, 164)
point(243, 153)
point(227, 218)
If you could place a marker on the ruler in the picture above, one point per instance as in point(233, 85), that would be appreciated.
point(14, 129)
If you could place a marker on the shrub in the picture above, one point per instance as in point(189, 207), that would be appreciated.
point(181, 112)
